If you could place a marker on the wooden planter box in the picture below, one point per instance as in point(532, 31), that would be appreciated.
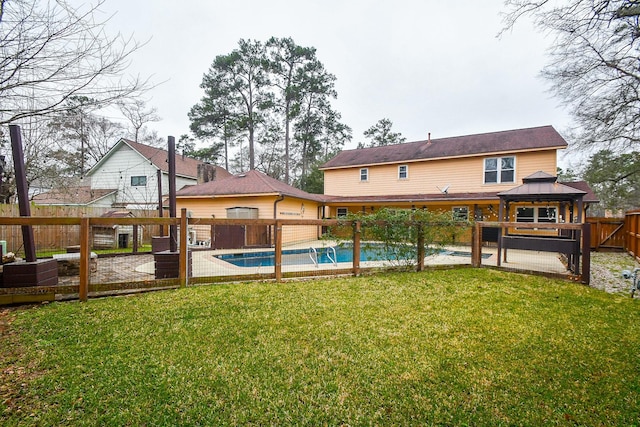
point(168, 265)
point(38, 273)
point(160, 244)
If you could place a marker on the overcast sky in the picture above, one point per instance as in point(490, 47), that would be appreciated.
point(428, 65)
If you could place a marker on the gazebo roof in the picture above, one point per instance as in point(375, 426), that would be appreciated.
point(542, 186)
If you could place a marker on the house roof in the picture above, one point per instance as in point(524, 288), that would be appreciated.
point(185, 166)
point(576, 187)
point(72, 196)
point(590, 196)
point(118, 214)
point(542, 186)
point(253, 183)
point(545, 137)
point(412, 198)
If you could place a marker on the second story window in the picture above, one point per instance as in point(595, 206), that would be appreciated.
point(403, 172)
point(138, 181)
point(364, 174)
point(499, 169)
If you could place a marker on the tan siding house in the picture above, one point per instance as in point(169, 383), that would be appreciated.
point(250, 195)
point(463, 174)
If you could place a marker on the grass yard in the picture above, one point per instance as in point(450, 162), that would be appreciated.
point(451, 347)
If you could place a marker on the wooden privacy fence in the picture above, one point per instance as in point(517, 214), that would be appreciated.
point(607, 233)
point(59, 235)
point(617, 233)
point(632, 233)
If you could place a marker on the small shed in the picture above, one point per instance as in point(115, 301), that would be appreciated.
point(114, 236)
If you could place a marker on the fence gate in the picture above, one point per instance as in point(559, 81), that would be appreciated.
point(607, 233)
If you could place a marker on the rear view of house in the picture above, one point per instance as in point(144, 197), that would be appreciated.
point(462, 174)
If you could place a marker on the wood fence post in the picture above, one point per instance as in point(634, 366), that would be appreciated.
point(184, 249)
point(135, 239)
point(277, 261)
point(85, 258)
point(356, 247)
point(421, 251)
point(586, 253)
point(476, 245)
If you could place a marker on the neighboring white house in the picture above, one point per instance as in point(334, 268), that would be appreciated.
point(127, 178)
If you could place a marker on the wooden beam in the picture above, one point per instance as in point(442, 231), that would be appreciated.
point(356, 247)
point(85, 257)
point(22, 189)
point(184, 249)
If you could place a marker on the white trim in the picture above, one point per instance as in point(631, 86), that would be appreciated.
point(406, 172)
point(366, 170)
point(498, 170)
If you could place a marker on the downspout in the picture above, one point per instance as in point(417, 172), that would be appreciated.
point(275, 215)
point(275, 206)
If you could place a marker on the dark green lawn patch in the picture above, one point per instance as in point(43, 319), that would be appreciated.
point(455, 347)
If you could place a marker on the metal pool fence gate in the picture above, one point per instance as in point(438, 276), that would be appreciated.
point(285, 249)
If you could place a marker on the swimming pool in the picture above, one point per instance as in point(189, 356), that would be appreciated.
point(343, 253)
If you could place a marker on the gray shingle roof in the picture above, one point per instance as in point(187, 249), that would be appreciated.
point(185, 166)
point(252, 182)
point(545, 137)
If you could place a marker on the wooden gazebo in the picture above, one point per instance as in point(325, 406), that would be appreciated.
point(540, 188)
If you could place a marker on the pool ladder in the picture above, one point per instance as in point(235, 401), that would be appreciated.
point(313, 254)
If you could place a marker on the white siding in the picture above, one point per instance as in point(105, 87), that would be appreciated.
point(116, 173)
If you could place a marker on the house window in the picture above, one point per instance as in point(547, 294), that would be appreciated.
point(341, 212)
point(499, 169)
point(460, 213)
point(138, 181)
point(536, 214)
point(364, 174)
point(403, 172)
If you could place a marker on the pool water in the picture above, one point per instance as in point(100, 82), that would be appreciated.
point(343, 253)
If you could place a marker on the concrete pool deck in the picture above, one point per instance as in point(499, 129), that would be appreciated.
point(205, 263)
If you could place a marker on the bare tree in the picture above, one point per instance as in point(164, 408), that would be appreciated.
point(52, 51)
point(135, 111)
point(593, 64)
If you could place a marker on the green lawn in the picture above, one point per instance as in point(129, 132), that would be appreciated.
point(50, 252)
point(450, 347)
